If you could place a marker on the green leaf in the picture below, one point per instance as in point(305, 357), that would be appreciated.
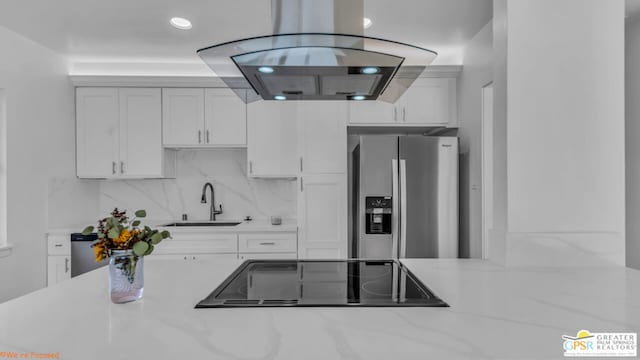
point(140, 248)
point(88, 230)
point(149, 251)
point(156, 238)
point(113, 233)
point(100, 235)
point(135, 223)
point(141, 213)
point(165, 234)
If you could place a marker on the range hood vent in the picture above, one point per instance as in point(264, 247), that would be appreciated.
point(317, 65)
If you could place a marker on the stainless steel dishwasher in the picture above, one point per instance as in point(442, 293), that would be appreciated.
point(82, 257)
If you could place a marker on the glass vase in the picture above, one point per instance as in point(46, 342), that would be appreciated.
point(126, 276)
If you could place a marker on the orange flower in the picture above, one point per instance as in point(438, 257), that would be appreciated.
point(100, 251)
point(125, 235)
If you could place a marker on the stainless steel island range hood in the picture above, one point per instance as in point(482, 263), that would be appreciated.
point(317, 52)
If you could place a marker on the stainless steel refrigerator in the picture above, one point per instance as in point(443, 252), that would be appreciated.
point(404, 196)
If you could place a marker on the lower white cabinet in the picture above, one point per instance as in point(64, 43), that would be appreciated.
point(189, 257)
point(59, 259)
point(322, 216)
point(58, 269)
point(268, 245)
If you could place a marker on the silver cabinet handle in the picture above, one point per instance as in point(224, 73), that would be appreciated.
point(121, 167)
point(267, 243)
point(199, 136)
point(404, 114)
point(301, 184)
point(66, 265)
point(207, 136)
point(395, 209)
point(395, 113)
point(250, 167)
point(301, 167)
point(113, 167)
point(58, 245)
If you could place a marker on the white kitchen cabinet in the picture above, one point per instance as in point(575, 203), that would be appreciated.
point(182, 117)
point(322, 215)
point(59, 259)
point(272, 145)
point(97, 121)
point(225, 118)
point(371, 112)
point(428, 102)
point(203, 118)
point(266, 256)
point(58, 269)
point(119, 134)
point(189, 257)
point(198, 242)
point(322, 137)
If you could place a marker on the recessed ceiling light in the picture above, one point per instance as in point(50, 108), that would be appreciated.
point(180, 23)
point(358, 97)
point(265, 69)
point(280, 97)
point(367, 23)
point(369, 70)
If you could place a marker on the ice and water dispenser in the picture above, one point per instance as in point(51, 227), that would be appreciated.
point(378, 212)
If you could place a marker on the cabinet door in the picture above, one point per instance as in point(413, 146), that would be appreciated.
point(182, 117)
point(97, 132)
point(260, 256)
point(189, 257)
point(225, 117)
point(58, 269)
point(141, 150)
point(428, 102)
point(272, 145)
point(322, 136)
point(322, 208)
point(371, 112)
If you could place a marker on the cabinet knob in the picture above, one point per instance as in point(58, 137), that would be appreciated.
point(121, 167)
point(113, 167)
point(207, 136)
point(199, 136)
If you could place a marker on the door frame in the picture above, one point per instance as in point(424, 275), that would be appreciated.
point(487, 165)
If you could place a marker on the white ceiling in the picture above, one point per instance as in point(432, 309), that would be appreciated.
point(138, 31)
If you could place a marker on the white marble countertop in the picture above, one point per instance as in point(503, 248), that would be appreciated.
point(495, 313)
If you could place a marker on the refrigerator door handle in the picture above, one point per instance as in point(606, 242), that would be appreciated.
point(403, 209)
point(395, 209)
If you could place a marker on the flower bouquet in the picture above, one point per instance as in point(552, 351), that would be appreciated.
point(124, 241)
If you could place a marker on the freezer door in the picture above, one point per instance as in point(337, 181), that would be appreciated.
point(429, 197)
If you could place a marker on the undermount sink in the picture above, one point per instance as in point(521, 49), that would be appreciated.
point(217, 223)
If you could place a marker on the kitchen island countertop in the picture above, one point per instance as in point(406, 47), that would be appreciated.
point(495, 312)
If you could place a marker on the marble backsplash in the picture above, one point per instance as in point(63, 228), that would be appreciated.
point(225, 169)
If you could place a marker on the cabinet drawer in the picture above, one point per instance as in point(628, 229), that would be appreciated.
point(198, 244)
point(267, 243)
point(59, 244)
point(323, 271)
point(190, 257)
point(257, 256)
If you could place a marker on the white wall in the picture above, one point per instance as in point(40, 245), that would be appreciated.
point(476, 73)
point(632, 142)
point(565, 132)
point(40, 146)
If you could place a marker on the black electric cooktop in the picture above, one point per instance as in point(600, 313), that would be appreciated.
point(269, 283)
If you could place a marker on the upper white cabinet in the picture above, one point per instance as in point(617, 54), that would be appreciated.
point(203, 118)
point(225, 118)
point(119, 134)
point(322, 136)
point(272, 146)
point(182, 117)
point(428, 102)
